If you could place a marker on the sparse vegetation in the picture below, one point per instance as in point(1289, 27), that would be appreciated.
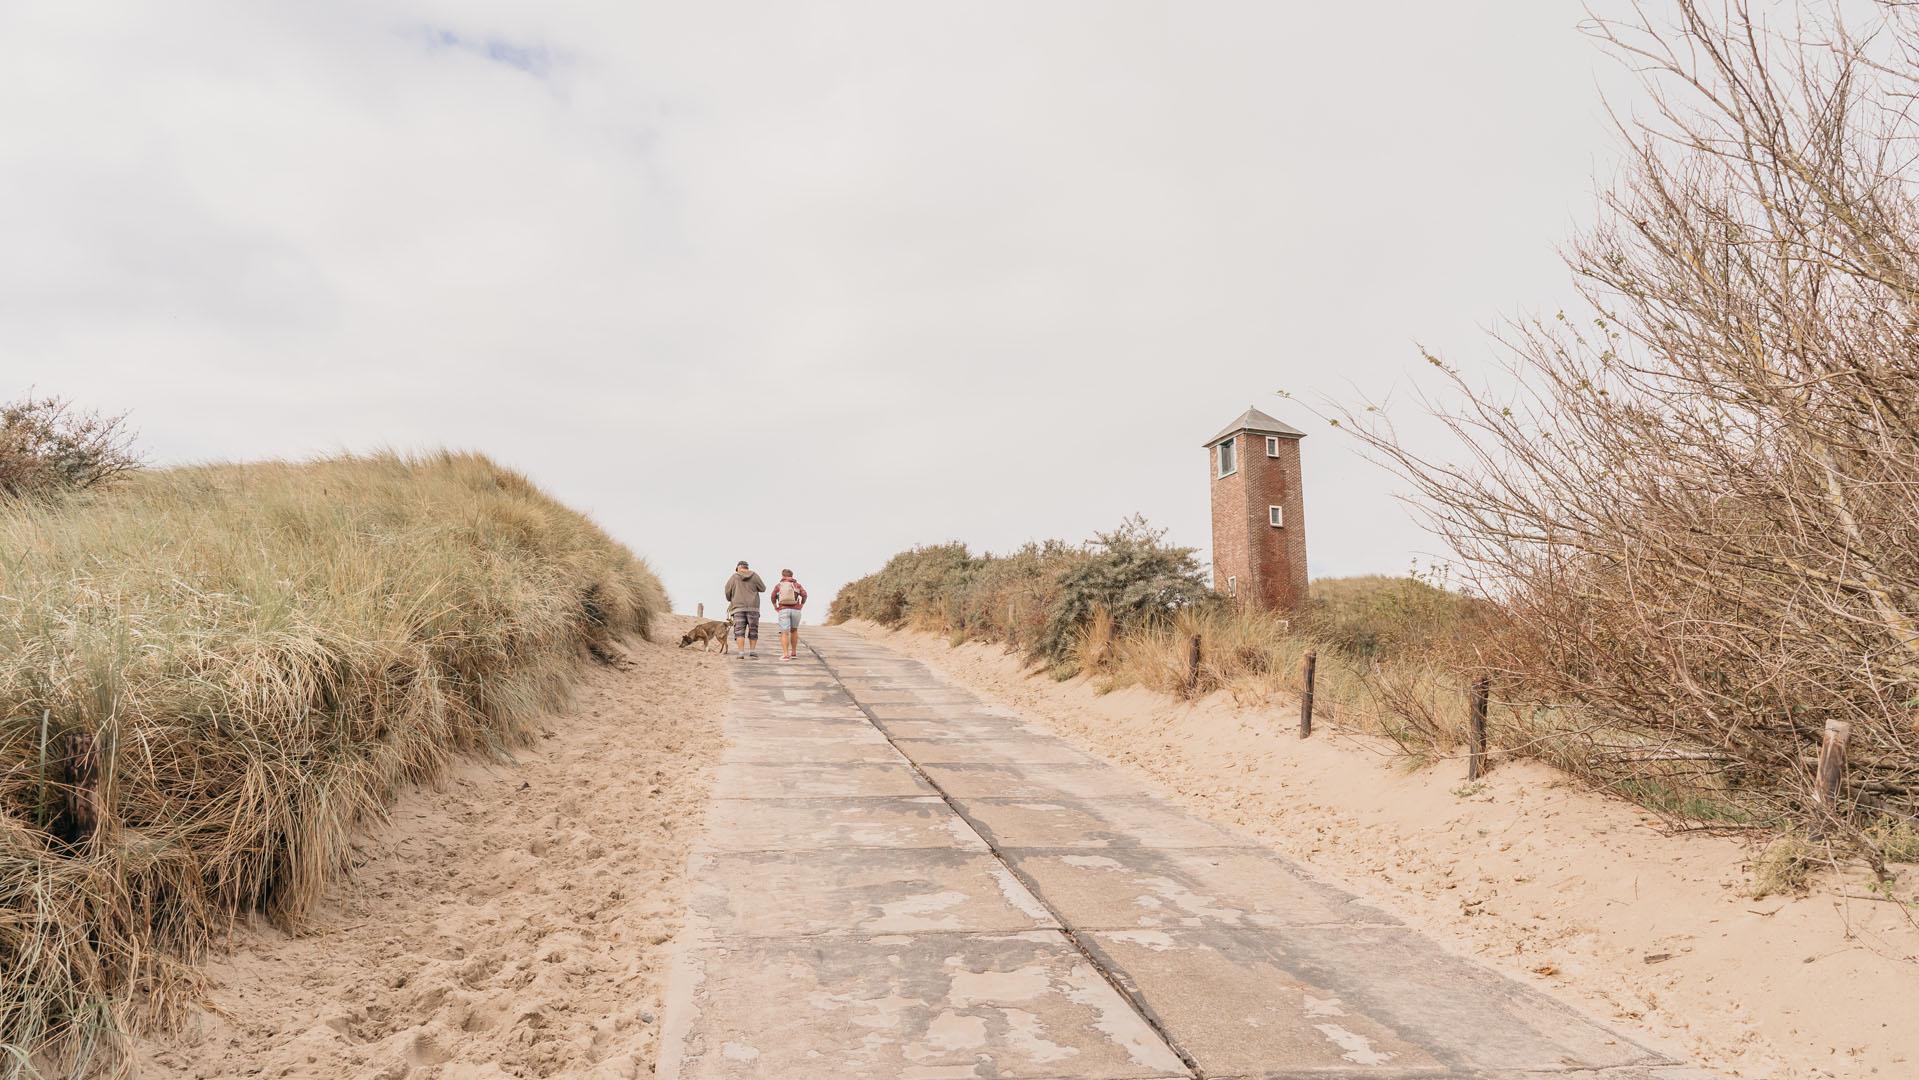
point(47, 448)
point(1897, 840)
point(1783, 868)
point(1040, 598)
point(1377, 615)
point(1123, 609)
point(209, 675)
point(1694, 500)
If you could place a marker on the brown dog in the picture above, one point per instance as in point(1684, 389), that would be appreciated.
point(709, 631)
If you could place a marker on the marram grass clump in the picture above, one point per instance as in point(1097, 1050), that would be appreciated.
point(209, 675)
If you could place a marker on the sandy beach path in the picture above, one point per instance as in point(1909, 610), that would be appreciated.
point(898, 881)
point(511, 923)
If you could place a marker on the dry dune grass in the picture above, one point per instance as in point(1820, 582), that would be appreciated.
point(208, 675)
point(1395, 656)
point(1125, 607)
point(1406, 694)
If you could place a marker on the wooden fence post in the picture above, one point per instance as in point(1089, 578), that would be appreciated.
point(1476, 739)
point(1192, 665)
point(1306, 699)
point(699, 611)
point(1832, 764)
point(78, 779)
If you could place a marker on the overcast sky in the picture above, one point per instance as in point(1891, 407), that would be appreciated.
point(800, 283)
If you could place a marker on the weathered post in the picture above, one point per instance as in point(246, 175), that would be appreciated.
point(1306, 698)
point(699, 611)
point(1832, 764)
point(1192, 665)
point(1476, 739)
point(78, 782)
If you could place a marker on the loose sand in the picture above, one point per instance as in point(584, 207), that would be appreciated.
point(1573, 892)
point(508, 924)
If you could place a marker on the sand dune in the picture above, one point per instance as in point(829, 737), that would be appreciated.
point(506, 925)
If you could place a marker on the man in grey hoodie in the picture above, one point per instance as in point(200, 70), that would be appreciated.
point(743, 591)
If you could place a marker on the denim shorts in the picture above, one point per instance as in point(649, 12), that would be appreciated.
point(789, 619)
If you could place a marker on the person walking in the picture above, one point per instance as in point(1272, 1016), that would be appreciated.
point(789, 596)
point(743, 591)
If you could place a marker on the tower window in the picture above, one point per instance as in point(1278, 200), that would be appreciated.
point(1228, 458)
point(1232, 587)
point(1276, 515)
point(1272, 446)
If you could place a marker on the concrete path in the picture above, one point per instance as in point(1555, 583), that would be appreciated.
point(900, 882)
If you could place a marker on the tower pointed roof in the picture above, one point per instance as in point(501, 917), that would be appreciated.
point(1260, 424)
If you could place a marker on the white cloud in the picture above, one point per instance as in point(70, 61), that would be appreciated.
point(983, 271)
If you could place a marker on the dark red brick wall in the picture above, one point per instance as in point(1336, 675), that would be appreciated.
point(1231, 555)
point(1269, 562)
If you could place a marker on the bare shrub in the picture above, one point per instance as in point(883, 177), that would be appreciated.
point(1418, 707)
point(47, 447)
point(1697, 503)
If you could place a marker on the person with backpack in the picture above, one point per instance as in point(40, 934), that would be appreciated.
point(743, 591)
point(789, 596)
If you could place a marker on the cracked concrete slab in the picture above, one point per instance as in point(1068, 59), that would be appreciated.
point(876, 693)
point(985, 781)
point(1008, 750)
point(810, 824)
point(808, 699)
point(1016, 1006)
point(891, 714)
point(968, 727)
point(772, 711)
point(1151, 888)
point(791, 690)
point(849, 725)
point(805, 748)
point(869, 890)
point(754, 728)
point(881, 704)
point(1065, 822)
point(947, 892)
point(760, 780)
point(1249, 1001)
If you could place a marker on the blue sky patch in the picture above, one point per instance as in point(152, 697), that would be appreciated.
point(535, 60)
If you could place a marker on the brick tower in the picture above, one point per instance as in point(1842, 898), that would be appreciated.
point(1259, 513)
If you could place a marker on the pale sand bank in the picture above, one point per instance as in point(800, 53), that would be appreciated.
point(1571, 891)
point(509, 924)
